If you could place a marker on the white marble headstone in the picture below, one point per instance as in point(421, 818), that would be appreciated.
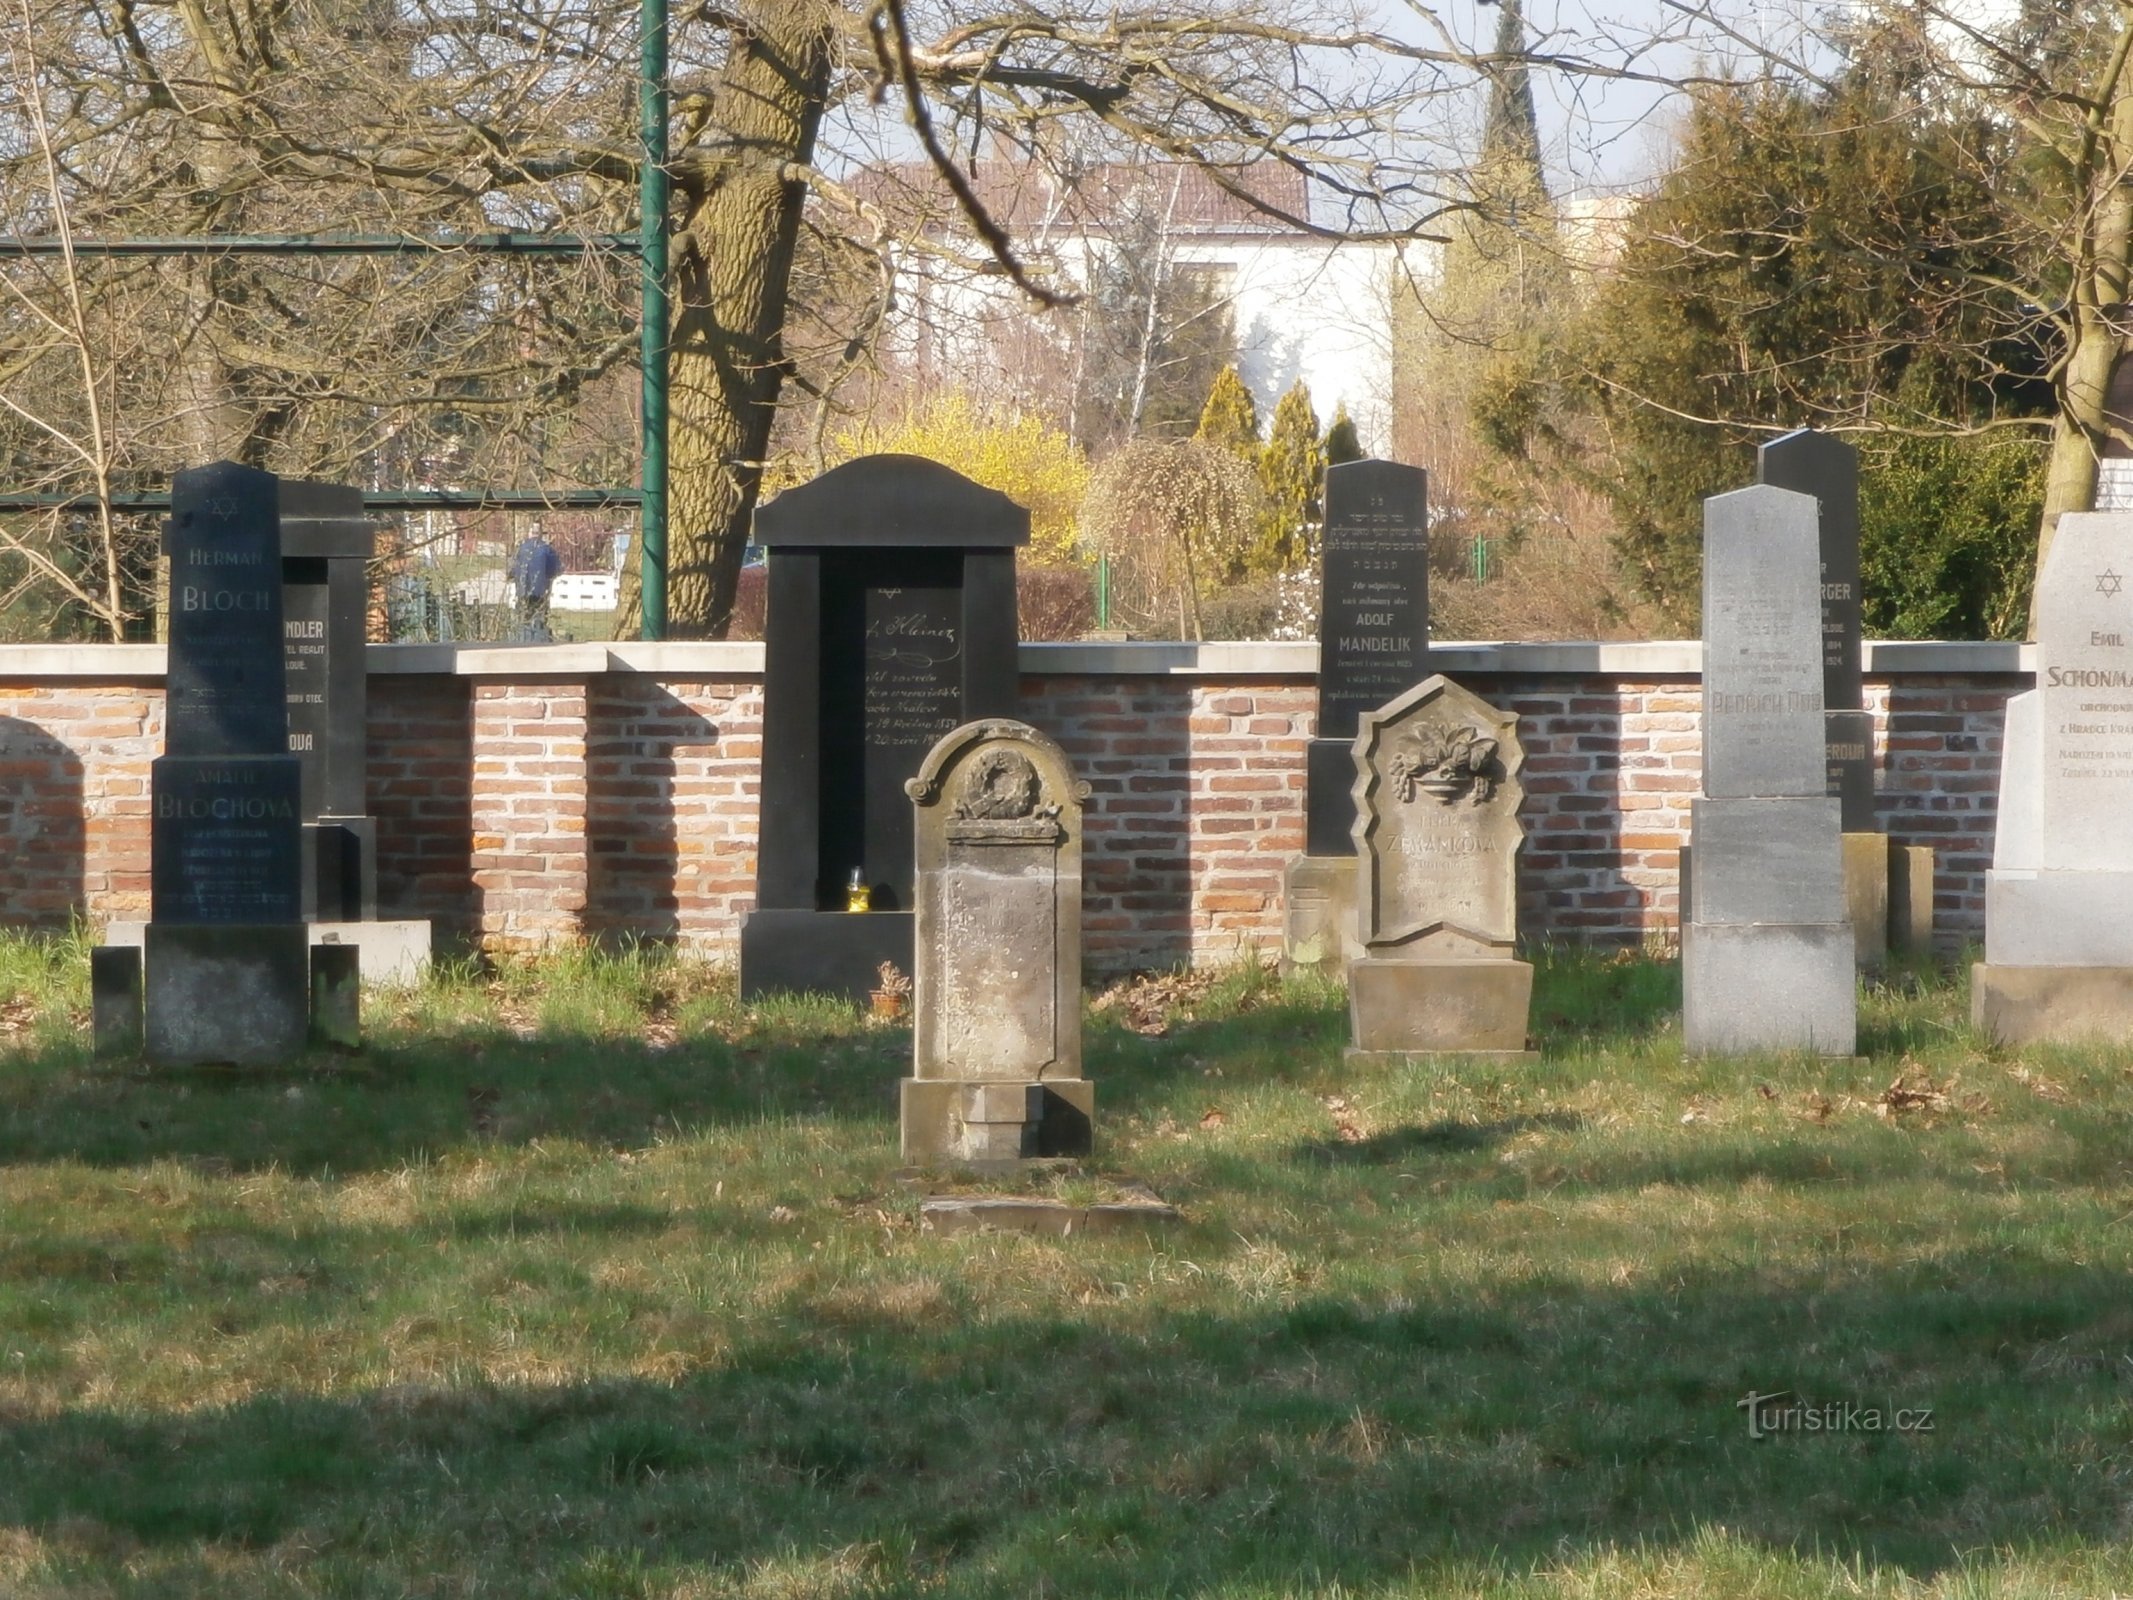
point(2085, 695)
point(1762, 645)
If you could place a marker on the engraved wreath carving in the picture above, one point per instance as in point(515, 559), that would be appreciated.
point(1445, 765)
point(1001, 786)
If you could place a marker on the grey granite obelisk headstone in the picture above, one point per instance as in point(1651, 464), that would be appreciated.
point(226, 954)
point(1766, 947)
point(1373, 645)
point(2058, 945)
point(1437, 835)
point(996, 1025)
point(1878, 873)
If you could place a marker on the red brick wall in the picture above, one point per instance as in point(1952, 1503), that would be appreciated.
point(521, 809)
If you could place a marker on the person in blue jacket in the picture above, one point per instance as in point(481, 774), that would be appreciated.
point(534, 568)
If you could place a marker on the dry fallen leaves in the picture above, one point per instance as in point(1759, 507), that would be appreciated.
point(1912, 1089)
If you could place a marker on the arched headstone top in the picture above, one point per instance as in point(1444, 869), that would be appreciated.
point(898, 501)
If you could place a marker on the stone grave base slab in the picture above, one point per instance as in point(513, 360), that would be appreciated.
point(1416, 1006)
point(387, 952)
point(227, 994)
point(822, 952)
point(1754, 987)
point(1911, 898)
point(2052, 1005)
point(2058, 919)
point(1866, 897)
point(947, 1120)
point(1318, 930)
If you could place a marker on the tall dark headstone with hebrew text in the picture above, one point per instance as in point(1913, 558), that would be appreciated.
point(1888, 887)
point(890, 622)
point(1373, 646)
point(227, 956)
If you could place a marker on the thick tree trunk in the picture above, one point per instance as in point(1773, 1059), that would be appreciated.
point(733, 260)
point(2099, 294)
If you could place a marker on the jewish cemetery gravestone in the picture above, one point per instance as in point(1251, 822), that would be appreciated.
point(1436, 832)
point(1766, 946)
point(890, 621)
point(1885, 900)
point(1373, 644)
point(326, 550)
point(2058, 946)
point(326, 545)
point(996, 1022)
point(226, 955)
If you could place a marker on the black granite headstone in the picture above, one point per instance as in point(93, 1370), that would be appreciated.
point(326, 549)
point(1821, 464)
point(1373, 630)
point(224, 688)
point(226, 956)
point(225, 844)
point(226, 840)
point(891, 620)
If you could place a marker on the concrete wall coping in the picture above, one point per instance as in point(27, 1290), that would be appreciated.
point(1290, 659)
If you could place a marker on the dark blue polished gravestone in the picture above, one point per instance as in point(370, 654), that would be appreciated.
point(1821, 464)
point(1373, 646)
point(891, 620)
point(1373, 627)
point(326, 546)
point(226, 951)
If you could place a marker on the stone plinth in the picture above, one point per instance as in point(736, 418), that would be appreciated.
point(1423, 1007)
point(226, 994)
point(1319, 919)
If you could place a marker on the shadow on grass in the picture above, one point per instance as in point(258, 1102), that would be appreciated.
point(1352, 1443)
point(1451, 1136)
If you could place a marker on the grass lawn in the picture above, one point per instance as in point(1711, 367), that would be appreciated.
point(586, 1281)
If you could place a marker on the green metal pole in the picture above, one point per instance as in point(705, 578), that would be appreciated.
point(652, 251)
point(1103, 592)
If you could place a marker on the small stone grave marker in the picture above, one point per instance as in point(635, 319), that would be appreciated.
point(996, 1026)
point(1437, 836)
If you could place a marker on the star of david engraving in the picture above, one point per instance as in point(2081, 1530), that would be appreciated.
point(2109, 582)
point(222, 506)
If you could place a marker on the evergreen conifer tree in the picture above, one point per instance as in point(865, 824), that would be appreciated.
point(1229, 418)
point(1292, 471)
point(1341, 443)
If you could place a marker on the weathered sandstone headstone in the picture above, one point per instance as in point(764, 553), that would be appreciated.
point(2058, 943)
point(1437, 838)
point(1767, 948)
point(996, 1026)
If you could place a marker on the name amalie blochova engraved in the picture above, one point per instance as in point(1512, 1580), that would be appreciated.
point(223, 807)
